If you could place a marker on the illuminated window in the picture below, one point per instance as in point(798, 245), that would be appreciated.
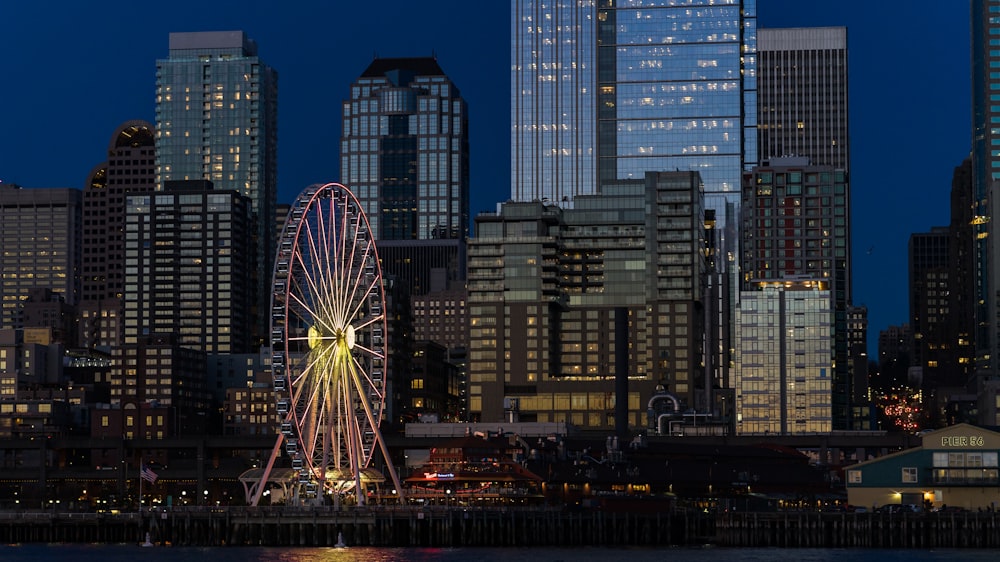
point(854, 476)
point(910, 474)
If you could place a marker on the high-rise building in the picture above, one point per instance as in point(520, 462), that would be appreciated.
point(802, 94)
point(862, 412)
point(40, 234)
point(962, 256)
point(217, 120)
point(796, 221)
point(190, 267)
point(129, 168)
point(604, 91)
point(783, 376)
point(929, 290)
point(404, 150)
point(563, 301)
point(985, 25)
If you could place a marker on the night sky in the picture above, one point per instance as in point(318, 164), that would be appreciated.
point(72, 72)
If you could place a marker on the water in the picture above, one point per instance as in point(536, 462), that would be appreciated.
point(129, 553)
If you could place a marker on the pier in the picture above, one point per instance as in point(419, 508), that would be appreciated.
point(440, 526)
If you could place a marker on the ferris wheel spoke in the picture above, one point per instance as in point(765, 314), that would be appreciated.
point(358, 282)
point(347, 260)
point(314, 272)
point(311, 317)
point(367, 381)
point(369, 321)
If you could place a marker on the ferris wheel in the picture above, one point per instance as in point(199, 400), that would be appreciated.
point(328, 344)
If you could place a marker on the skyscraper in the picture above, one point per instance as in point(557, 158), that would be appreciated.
point(40, 237)
point(985, 176)
point(802, 94)
point(188, 267)
point(602, 92)
point(404, 150)
point(796, 221)
point(129, 168)
point(217, 120)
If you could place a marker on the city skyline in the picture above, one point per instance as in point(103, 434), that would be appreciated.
point(899, 129)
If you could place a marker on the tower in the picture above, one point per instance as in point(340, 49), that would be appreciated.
point(802, 94)
point(601, 93)
point(217, 120)
point(40, 236)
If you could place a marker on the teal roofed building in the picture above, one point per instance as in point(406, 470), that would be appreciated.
point(954, 467)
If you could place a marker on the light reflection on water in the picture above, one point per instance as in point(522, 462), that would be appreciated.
point(130, 553)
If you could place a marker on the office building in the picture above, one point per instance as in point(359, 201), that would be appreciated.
point(40, 244)
point(602, 92)
point(162, 393)
point(217, 120)
point(802, 94)
point(404, 150)
point(190, 267)
point(783, 376)
point(129, 168)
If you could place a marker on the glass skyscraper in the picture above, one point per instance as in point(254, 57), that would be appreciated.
point(602, 92)
point(217, 120)
point(985, 27)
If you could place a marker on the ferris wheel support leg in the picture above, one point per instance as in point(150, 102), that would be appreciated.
point(392, 469)
point(267, 471)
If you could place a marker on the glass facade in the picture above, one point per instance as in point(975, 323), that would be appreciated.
point(404, 150)
point(671, 86)
point(985, 173)
point(217, 120)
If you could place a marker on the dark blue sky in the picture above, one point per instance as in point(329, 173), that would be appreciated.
point(73, 71)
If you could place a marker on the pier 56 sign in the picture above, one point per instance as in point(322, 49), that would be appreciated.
point(962, 441)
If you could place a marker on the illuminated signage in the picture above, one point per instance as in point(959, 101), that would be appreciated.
point(439, 475)
point(962, 441)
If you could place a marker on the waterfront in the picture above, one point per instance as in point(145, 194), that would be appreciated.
point(449, 528)
point(123, 553)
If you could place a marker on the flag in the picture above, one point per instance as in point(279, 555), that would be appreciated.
point(147, 474)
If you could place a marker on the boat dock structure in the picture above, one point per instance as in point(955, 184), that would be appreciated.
point(515, 527)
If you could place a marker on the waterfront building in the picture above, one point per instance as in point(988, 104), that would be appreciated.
point(562, 302)
point(217, 120)
point(190, 267)
point(802, 94)
point(956, 466)
point(160, 392)
point(40, 237)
